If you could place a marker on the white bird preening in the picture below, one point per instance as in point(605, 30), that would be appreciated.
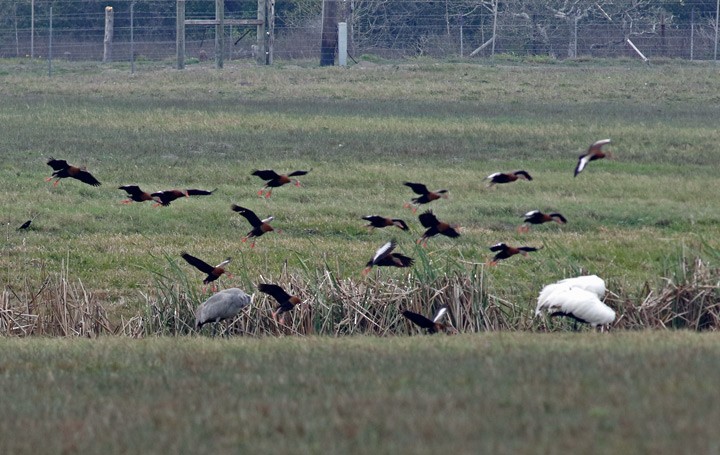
point(577, 298)
point(225, 304)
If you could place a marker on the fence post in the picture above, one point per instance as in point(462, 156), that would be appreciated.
point(329, 33)
point(107, 42)
point(50, 44)
point(219, 33)
point(717, 18)
point(180, 33)
point(132, 38)
point(32, 29)
point(692, 34)
point(342, 43)
point(270, 32)
point(259, 50)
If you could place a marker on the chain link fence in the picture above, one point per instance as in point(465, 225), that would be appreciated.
point(76, 29)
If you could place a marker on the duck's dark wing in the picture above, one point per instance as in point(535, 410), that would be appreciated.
point(198, 263)
point(275, 291)
point(418, 188)
point(57, 165)
point(266, 174)
point(428, 219)
point(86, 177)
point(419, 319)
point(194, 192)
point(297, 173)
point(248, 214)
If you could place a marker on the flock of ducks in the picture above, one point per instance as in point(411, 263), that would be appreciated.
point(578, 298)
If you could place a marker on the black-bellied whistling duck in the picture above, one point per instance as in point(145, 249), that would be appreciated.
point(505, 251)
point(377, 221)
point(61, 170)
point(260, 227)
point(431, 325)
point(384, 257)
point(506, 177)
point(24, 226)
point(435, 227)
point(538, 217)
point(274, 180)
point(164, 198)
point(426, 195)
point(594, 153)
point(213, 272)
point(136, 194)
point(286, 302)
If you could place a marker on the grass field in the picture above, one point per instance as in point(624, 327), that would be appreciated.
point(362, 131)
point(641, 392)
point(647, 222)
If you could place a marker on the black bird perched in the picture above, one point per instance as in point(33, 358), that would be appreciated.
point(506, 177)
point(426, 195)
point(286, 302)
point(435, 227)
point(377, 221)
point(61, 170)
point(25, 225)
point(505, 251)
point(431, 325)
point(213, 272)
point(384, 257)
point(274, 180)
point(260, 227)
point(164, 198)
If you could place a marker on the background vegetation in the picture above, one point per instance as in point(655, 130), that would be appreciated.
point(638, 221)
point(554, 28)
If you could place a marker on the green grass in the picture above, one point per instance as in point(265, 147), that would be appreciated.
point(363, 131)
point(636, 392)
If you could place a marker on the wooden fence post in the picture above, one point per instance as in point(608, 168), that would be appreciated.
point(329, 33)
point(180, 34)
point(219, 33)
point(107, 42)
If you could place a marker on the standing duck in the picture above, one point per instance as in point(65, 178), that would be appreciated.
point(384, 257)
point(377, 221)
point(274, 180)
point(505, 251)
point(538, 217)
point(286, 302)
point(507, 177)
point(594, 153)
point(61, 170)
point(435, 227)
point(260, 227)
point(426, 195)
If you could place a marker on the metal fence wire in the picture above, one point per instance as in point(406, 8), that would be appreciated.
point(383, 28)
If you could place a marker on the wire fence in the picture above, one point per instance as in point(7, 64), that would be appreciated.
point(403, 28)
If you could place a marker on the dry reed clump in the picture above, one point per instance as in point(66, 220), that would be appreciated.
point(57, 307)
point(690, 299)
